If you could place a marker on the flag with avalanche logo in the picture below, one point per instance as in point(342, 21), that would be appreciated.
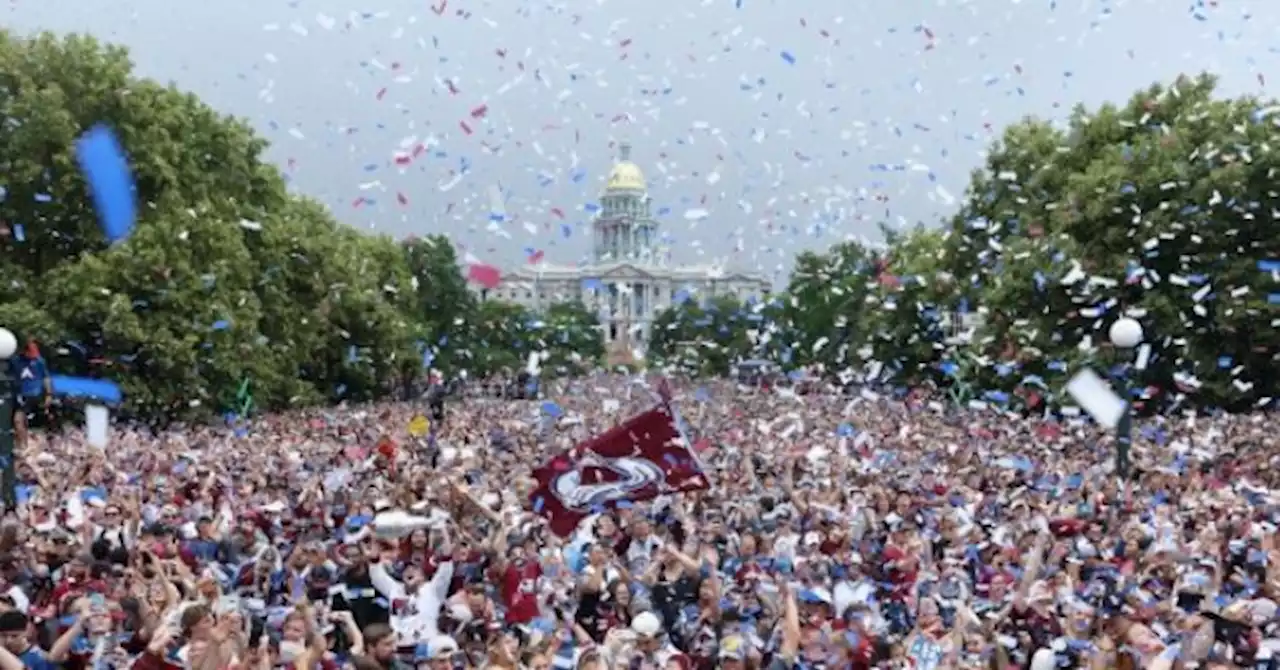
point(643, 458)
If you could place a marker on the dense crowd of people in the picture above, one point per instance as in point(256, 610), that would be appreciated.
point(838, 532)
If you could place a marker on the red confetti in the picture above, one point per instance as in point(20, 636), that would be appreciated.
point(382, 93)
point(400, 197)
point(558, 212)
point(465, 128)
point(453, 90)
point(479, 112)
point(625, 43)
point(359, 201)
point(439, 9)
point(485, 275)
point(402, 159)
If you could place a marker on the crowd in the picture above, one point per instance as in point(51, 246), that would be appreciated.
point(838, 532)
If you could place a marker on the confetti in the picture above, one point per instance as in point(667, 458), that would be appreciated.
point(106, 169)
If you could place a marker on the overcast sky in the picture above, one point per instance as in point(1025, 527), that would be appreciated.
point(760, 123)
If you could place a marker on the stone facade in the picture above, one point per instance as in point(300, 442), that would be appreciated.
point(628, 281)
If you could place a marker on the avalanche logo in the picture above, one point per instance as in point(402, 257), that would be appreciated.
point(612, 479)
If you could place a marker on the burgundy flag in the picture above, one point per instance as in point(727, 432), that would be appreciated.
point(643, 458)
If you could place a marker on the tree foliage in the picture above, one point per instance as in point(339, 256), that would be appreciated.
point(1163, 209)
point(226, 278)
point(708, 337)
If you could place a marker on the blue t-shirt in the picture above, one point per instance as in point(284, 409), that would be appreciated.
point(31, 373)
point(35, 659)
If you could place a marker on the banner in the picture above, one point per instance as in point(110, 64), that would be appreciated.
point(643, 458)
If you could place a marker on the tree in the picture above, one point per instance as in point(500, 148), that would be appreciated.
point(172, 305)
point(1161, 209)
point(572, 338)
point(705, 338)
point(910, 304)
point(443, 300)
point(225, 279)
point(496, 339)
point(826, 304)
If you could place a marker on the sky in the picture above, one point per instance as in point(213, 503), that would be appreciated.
point(765, 127)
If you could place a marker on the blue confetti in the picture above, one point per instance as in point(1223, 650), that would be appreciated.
point(107, 170)
point(786, 56)
point(76, 387)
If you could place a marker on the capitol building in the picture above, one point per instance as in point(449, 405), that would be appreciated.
point(629, 280)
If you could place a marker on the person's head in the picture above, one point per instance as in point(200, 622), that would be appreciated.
point(207, 587)
point(13, 631)
point(476, 597)
point(353, 553)
point(621, 593)
point(32, 349)
point(294, 628)
point(437, 653)
point(706, 591)
point(197, 622)
point(648, 629)
point(413, 577)
point(111, 516)
point(381, 642)
point(591, 660)
point(419, 539)
point(732, 654)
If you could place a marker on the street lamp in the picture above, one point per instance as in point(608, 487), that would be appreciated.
point(1125, 333)
point(8, 405)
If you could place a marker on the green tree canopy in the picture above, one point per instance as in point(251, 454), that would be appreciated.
point(709, 337)
point(1161, 210)
point(226, 278)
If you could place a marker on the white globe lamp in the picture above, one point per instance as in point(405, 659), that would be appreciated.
point(1125, 333)
point(8, 344)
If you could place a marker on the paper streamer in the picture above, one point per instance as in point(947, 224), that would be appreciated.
point(102, 390)
point(105, 167)
point(96, 421)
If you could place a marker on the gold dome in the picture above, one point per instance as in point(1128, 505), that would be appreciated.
point(625, 175)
